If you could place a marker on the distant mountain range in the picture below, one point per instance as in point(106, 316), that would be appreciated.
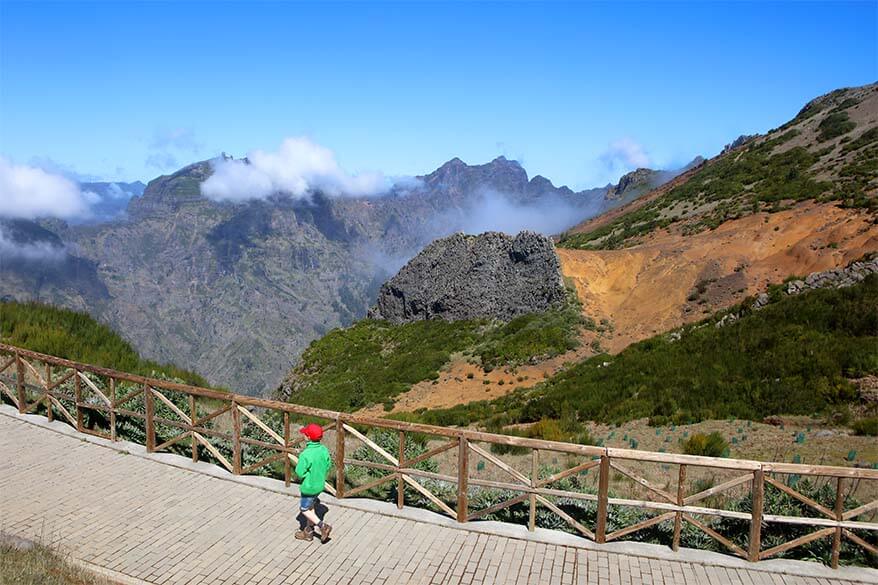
point(235, 291)
point(112, 199)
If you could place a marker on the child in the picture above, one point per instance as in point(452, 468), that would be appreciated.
point(314, 464)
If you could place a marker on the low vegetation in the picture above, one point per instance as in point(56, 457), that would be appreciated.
point(706, 444)
point(78, 337)
point(834, 125)
point(866, 426)
point(537, 335)
point(373, 361)
point(566, 430)
point(40, 565)
point(794, 356)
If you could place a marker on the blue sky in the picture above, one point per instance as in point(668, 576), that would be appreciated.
point(576, 92)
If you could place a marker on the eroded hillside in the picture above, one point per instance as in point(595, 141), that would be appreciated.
point(671, 279)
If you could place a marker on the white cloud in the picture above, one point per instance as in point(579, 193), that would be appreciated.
point(625, 154)
point(42, 251)
point(29, 192)
point(493, 211)
point(114, 191)
point(298, 167)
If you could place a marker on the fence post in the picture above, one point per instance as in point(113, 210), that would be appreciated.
point(839, 515)
point(236, 439)
point(400, 482)
point(49, 414)
point(757, 498)
point(287, 470)
point(603, 497)
point(77, 396)
point(678, 517)
point(19, 383)
point(339, 458)
point(193, 416)
point(462, 478)
point(149, 399)
point(534, 477)
point(112, 409)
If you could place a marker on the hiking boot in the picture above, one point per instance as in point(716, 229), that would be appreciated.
point(306, 534)
point(324, 532)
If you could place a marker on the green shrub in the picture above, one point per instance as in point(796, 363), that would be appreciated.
point(374, 361)
point(707, 445)
point(866, 426)
point(834, 125)
point(536, 335)
point(79, 337)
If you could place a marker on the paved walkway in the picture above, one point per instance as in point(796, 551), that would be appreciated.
point(144, 519)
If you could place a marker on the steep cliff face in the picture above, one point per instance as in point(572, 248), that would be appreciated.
point(490, 276)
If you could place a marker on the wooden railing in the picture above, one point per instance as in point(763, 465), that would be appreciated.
point(179, 414)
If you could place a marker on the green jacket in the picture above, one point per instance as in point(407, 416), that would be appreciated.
point(313, 466)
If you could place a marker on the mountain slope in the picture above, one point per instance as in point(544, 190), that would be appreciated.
point(639, 272)
point(829, 152)
point(794, 201)
point(794, 356)
point(237, 291)
point(76, 336)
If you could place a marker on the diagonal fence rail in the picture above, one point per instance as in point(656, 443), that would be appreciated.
point(248, 435)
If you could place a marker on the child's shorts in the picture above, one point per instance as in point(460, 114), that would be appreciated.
point(308, 502)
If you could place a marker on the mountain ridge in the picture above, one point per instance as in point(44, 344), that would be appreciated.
point(235, 291)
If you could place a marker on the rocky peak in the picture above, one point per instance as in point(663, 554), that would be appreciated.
point(637, 180)
point(489, 276)
point(168, 192)
point(738, 142)
point(695, 162)
point(458, 178)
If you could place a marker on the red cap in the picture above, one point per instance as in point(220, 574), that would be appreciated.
point(312, 431)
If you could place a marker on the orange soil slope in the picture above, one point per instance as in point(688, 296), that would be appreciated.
point(646, 289)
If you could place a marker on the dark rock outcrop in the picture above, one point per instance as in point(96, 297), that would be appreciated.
point(738, 142)
point(489, 276)
point(836, 278)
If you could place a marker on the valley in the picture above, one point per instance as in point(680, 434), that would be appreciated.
point(236, 291)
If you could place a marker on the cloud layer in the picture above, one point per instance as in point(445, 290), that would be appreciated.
point(42, 251)
point(29, 192)
point(493, 211)
point(296, 168)
point(625, 154)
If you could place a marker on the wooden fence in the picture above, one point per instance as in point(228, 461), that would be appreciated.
point(35, 382)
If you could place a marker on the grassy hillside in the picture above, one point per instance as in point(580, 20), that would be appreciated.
point(77, 336)
point(373, 361)
point(829, 152)
point(795, 356)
